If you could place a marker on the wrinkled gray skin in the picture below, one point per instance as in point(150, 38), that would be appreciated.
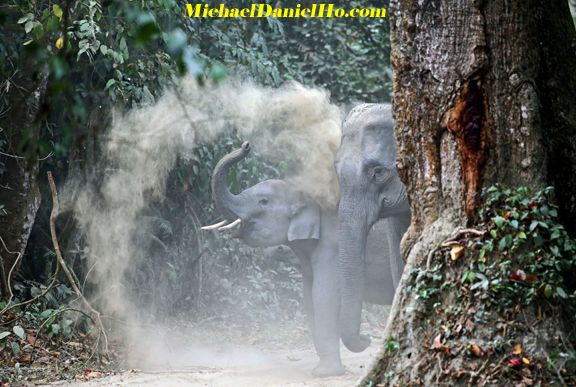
point(371, 195)
point(273, 213)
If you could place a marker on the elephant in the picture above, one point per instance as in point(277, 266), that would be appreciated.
point(274, 213)
point(371, 196)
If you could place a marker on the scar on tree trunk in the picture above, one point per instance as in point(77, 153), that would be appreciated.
point(466, 120)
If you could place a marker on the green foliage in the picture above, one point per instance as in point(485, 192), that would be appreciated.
point(46, 319)
point(535, 254)
point(391, 344)
point(525, 255)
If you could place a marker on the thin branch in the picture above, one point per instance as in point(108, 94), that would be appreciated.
point(53, 215)
point(22, 158)
point(455, 236)
point(8, 285)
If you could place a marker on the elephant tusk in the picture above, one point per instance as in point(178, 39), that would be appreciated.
point(231, 225)
point(214, 226)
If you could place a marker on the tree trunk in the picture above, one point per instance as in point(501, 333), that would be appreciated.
point(484, 93)
point(19, 192)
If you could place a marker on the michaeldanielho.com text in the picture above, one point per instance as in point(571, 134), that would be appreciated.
point(266, 10)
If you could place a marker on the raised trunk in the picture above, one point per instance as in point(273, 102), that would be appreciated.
point(224, 200)
point(352, 231)
point(484, 93)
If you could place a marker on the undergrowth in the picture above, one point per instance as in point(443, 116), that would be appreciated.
point(499, 299)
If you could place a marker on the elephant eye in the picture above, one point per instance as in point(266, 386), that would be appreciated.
point(377, 172)
point(263, 201)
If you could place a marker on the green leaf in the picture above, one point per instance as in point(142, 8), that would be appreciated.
point(514, 223)
point(47, 313)
point(57, 11)
point(521, 235)
point(391, 344)
point(103, 49)
point(123, 45)
point(15, 348)
point(482, 255)
point(28, 26)
point(110, 83)
point(503, 244)
point(218, 72)
point(548, 291)
point(19, 331)
point(533, 225)
point(561, 292)
point(147, 28)
point(499, 221)
point(557, 233)
point(25, 18)
point(55, 328)
point(3, 335)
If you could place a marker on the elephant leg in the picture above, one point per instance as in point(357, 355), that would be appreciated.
point(326, 301)
point(307, 296)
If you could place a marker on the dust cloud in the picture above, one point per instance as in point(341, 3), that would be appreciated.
point(142, 147)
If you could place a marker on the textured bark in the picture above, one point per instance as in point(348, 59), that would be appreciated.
point(18, 184)
point(484, 92)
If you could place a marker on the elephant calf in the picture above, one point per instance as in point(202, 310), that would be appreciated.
point(273, 213)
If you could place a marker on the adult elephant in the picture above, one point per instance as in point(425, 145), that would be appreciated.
point(371, 195)
point(273, 213)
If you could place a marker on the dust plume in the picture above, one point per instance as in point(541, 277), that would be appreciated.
point(142, 147)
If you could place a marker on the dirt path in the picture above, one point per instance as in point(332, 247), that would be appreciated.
point(241, 367)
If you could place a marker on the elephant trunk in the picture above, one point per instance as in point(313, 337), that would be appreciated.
point(225, 202)
point(353, 231)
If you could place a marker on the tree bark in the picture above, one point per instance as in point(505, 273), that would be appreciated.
point(19, 193)
point(483, 93)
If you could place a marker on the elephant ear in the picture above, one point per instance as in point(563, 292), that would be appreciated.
point(305, 221)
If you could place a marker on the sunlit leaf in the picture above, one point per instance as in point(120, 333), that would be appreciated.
point(517, 349)
point(25, 18)
point(475, 349)
point(526, 361)
point(439, 345)
point(456, 252)
point(59, 42)
point(57, 11)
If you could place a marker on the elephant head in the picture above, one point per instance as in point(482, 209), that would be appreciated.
point(370, 189)
point(269, 213)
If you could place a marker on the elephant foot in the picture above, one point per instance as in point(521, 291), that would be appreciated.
point(325, 369)
point(357, 345)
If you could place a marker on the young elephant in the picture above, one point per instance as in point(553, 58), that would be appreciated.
point(273, 213)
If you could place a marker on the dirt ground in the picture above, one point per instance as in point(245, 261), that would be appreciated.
point(252, 359)
point(255, 369)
